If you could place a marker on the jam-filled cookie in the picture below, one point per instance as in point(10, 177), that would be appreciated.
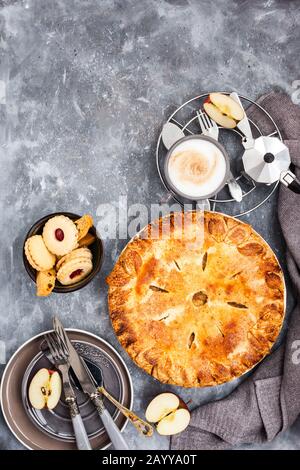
point(60, 235)
point(83, 253)
point(38, 255)
point(74, 271)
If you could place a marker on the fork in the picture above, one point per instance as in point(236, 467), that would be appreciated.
point(209, 127)
point(60, 358)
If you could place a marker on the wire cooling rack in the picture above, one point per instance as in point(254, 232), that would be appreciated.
point(254, 195)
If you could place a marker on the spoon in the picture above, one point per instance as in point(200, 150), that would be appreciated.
point(170, 134)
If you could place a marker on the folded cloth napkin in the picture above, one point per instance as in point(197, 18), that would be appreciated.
point(267, 402)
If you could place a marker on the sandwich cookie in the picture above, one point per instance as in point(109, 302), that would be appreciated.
point(74, 270)
point(37, 254)
point(60, 235)
point(84, 253)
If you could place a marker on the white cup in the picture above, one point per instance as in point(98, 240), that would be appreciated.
point(196, 167)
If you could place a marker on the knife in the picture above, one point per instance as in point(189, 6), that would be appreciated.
point(244, 124)
point(88, 386)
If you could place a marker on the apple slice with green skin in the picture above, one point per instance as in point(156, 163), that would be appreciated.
point(45, 389)
point(169, 413)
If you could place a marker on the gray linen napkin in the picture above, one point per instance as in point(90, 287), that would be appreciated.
point(267, 402)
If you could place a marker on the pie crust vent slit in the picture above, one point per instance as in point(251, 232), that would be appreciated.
point(164, 318)
point(220, 330)
point(204, 261)
point(177, 265)
point(191, 339)
point(236, 275)
point(158, 289)
point(236, 305)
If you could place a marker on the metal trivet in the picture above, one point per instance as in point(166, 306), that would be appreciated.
point(254, 195)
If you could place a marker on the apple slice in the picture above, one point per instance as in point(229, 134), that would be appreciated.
point(45, 389)
point(174, 423)
point(161, 406)
point(55, 390)
point(227, 106)
point(223, 109)
point(170, 414)
point(215, 114)
point(38, 389)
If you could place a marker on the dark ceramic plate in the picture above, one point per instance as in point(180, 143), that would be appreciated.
point(96, 249)
point(48, 430)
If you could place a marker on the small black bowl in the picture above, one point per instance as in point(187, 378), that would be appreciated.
point(96, 249)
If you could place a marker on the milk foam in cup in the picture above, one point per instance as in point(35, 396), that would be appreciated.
point(197, 168)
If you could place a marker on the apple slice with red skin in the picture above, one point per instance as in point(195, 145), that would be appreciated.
point(45, 389)
point(223, 109)
point(170, 414)
point(227, 106)
point(215, 114)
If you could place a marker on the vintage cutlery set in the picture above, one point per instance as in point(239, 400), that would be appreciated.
point(64, 356)
point(76, 391)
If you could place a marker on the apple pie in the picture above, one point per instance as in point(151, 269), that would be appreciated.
point(197, 298)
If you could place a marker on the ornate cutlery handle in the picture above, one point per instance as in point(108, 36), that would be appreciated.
point(82, 440)
point(143, 427)
point(112, 429)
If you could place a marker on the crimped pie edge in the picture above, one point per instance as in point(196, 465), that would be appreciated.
point(125, 332)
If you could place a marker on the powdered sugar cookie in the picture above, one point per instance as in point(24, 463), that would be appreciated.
point(60, 235)
point(37, 254)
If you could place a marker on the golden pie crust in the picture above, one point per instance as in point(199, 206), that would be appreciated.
point(197, 298)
